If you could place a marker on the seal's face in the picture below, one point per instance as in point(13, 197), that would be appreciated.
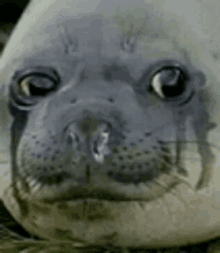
point(110, 139)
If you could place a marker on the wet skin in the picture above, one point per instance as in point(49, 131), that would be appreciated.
point(113, 122)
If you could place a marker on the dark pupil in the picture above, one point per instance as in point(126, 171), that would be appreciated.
point(173, 83)
point(40, 86)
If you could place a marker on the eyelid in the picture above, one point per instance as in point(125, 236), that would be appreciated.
point(37, 70)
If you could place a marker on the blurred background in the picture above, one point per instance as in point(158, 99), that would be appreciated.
point(10, 11)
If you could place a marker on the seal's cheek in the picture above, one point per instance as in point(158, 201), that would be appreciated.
point(5, 122)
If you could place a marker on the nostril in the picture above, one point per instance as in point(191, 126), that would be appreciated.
point(100, 143)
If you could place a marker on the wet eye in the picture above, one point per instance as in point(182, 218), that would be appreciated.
point(168, 82)
point(30, 85)
point(35, 86)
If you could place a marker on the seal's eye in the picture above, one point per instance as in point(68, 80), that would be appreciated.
point(34, 82)
point(30, 85)
point(168, 82)
point(35, 86)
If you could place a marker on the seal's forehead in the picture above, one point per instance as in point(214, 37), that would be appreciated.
point(106, 20)
point(162, 29)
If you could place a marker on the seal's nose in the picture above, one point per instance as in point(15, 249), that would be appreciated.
point(91, 137)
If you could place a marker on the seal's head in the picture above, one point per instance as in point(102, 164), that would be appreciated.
point(114, 136)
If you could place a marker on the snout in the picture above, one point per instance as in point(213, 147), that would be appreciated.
point(83, 151)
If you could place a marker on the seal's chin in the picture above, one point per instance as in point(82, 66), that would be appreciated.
point(154, 224)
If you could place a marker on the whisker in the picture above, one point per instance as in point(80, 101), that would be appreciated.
point(172, 156)
point(175, 173)
point(178, 195)
point(195, 142)
point(159, 199)
point(180, 178)
point(175, 166)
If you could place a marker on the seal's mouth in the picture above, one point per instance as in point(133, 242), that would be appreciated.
point(65, 186)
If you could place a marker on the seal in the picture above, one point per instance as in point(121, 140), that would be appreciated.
point(110, 122)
